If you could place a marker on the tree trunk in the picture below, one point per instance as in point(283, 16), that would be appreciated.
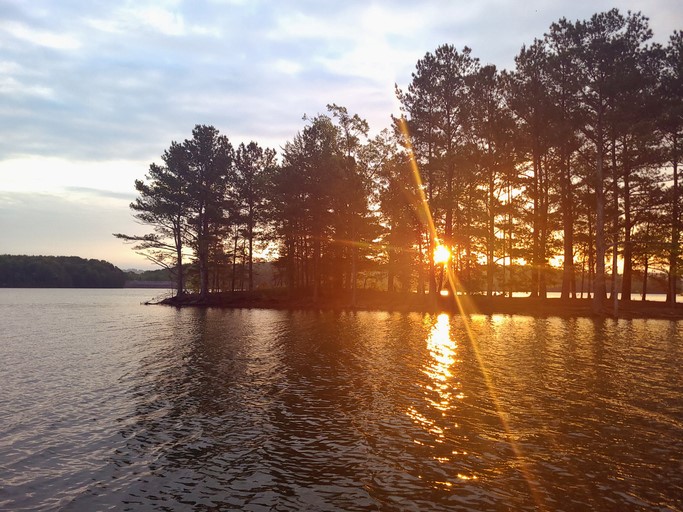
point(599, 289)
point(645, 271)
point(316, 270)
point(179, 259)
point(675, 229)
point(251, 252)
point(543, 238)
point(627, 276)
point(535, 229)
point(203, 256)
point(234, 262)
point(491, 236)
point(432, 270)
point(568, 232)
point(354, 262)
point(615, 229)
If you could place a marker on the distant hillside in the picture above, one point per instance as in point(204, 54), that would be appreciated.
point(161, 278)
point(161, 274)
point(58, 272)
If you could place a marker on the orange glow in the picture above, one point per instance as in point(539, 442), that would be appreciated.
point(441, 254)
point(452, 280)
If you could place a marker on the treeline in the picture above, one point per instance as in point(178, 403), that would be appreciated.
point(58, 272)
point(570, 159)
point(159, 275)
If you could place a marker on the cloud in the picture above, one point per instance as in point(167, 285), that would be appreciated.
point(98, 193)
point(39, 37)
point(54, 175)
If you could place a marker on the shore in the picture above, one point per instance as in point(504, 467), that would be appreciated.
point(396, 302)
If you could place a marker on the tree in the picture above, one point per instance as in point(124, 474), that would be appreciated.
point(437, 111)
point(563, 96)
point(671, 123)
point(353, 191)
point(253, 168)
point(599, 43)
point(491, 135)
point(210, 159)
point(304, 188)
point(398, 205)
point(528, 96)
point(163, 203)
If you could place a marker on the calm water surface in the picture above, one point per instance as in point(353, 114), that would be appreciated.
point(107, 404)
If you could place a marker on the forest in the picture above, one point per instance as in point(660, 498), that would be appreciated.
point(58, 272)
point(564, 167)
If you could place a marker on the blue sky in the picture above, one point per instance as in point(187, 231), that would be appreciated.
point(92, 92)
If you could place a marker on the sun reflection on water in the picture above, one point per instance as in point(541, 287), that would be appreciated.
point(442, 350)
point(441, 392)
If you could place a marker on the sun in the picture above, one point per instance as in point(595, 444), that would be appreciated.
point(441, 254)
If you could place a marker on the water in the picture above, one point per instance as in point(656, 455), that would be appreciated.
point(107, 404)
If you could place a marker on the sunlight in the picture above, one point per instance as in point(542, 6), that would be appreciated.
point(442, 349)
point(452, 280)
point(439, 389)
point(441, 254)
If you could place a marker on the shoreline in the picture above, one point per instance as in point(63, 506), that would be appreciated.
point(413, 303)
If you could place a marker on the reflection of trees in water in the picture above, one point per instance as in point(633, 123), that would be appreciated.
point(198, 419)
point(253, 411)
point(307, 410)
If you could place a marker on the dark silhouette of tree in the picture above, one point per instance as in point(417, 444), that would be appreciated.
point(399, 209)
point(671, 126)
point(321, 203)
point(163, 203)
point(559, 158)
point(599, 43)
point(58, 272)
point(529, 98)
point(563, 91)
point(210, 158)
point(354, 187)
point(438, 113)
point(253, 168)
point(303, 200)
point(492, 132)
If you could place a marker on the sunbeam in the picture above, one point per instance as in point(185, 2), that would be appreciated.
point(455, 285)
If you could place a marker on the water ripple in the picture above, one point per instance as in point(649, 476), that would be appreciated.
point(110, 405)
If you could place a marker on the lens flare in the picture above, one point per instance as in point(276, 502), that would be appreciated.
point(459, 301)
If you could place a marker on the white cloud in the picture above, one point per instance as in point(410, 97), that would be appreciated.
point(287, 66)
point(40, 37)
point(165, 20)
point(55, 175)
point(13, 87)
point(161, 19)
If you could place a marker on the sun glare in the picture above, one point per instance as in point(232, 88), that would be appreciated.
point(441, 254)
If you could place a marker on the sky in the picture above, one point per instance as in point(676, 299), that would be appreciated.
point(92, 91)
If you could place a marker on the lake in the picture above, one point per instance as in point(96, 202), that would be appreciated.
point(109, 404)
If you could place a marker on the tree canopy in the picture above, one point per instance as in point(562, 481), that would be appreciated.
point(568, 161)
point(58, 272)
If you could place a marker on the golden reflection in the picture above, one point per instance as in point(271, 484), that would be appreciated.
point(463, 305)
point(442, 349)
point(440, 389)
point(426, 424)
